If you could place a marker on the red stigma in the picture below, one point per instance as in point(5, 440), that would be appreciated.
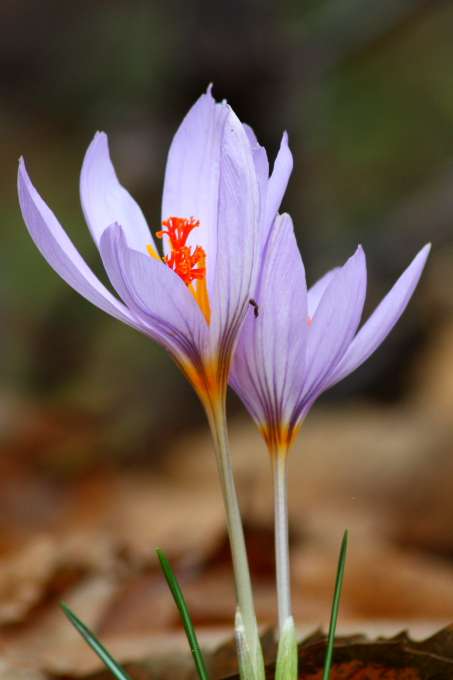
point(181, 259)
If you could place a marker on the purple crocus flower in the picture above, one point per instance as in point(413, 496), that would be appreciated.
point(212, 196)
point(218, 201)
point(298, 343)
point(301, 343)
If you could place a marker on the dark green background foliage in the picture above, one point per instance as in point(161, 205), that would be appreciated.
point(365, 91)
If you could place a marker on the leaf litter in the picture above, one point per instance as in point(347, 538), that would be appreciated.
point(89, 538)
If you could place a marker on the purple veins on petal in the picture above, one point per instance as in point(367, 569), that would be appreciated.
point(264, 354)
point(237, 262)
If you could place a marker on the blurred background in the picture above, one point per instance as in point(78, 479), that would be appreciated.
point(104, 448)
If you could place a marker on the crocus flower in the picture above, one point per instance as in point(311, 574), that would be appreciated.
point(218, 200)
point(192, 303)
point(299, 344)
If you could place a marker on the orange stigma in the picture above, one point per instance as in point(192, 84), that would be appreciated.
point(189, 266)
point(185, 263)
point(309, 320)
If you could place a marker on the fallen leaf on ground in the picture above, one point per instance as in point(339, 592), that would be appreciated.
point(355, 658)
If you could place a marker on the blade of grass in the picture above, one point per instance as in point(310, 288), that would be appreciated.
point(94, 643)
point(185, 615)
point(335, 606)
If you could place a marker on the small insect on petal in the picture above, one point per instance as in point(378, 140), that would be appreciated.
point(256, 308)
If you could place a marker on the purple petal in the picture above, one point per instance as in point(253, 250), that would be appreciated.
point(250, 135)
point(382, 320)
point(192, 176)
point(261, 163)
point(105, 201)
point(262, 174)
point(61, 254)
point(156, 294)
point(238, 237)
point(334, 325)
point(278, 182)
point(269, 363)
point(316, 292)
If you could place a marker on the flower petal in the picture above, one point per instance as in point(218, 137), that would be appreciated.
point(60, 253)
point(316, 292)
point(269, 362)
point(105, 201)
point(278, 182)
point(250, 135)
point(156, 294)
point(237, 239)
point(333, 326)
point(382, 320)
point(259, 157)
point(261, 163)
point(191, 185)
point(262, 174)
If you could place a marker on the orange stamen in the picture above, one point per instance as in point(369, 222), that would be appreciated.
point(185, 263)
point(189, 266)
point(309, 320)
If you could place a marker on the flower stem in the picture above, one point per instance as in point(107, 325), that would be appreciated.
point(279, 469)
point(217, 420)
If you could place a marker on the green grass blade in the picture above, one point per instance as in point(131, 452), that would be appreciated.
point(335, 606)
point(94, 643)
point(185, 616)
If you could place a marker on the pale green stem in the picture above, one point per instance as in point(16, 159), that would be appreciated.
point(279, 469)
point(217, 421)
point(286, 666)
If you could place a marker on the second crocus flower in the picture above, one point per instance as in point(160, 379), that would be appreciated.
point(300, 343)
